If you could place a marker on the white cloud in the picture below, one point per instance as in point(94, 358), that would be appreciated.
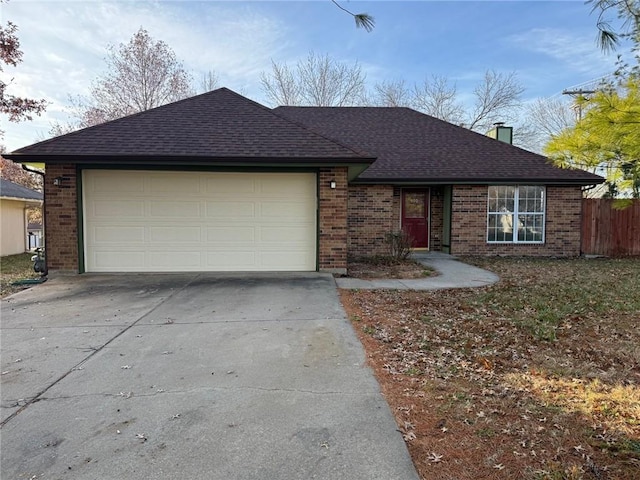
point(65, 43)
point(577, 53)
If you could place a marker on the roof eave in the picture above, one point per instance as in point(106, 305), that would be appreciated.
point(185, 160)
point(478, 181)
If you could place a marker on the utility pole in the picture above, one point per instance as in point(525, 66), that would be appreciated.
point(578, 95)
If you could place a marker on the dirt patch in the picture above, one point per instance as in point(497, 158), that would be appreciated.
point(535, 377)
point(373, 268)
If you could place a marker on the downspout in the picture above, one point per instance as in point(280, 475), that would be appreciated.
point(38, 172)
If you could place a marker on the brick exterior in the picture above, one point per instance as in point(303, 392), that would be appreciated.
point(372, 212)
point(562, 230)
point(436, 220)
point(375, 210)
point(333, 220)
point(61, 218)
point(353, 220)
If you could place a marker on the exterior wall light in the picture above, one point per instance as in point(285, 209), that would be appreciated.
point(332, 184)
point(57, 181)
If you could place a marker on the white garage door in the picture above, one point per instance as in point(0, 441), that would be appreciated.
point(151, 221)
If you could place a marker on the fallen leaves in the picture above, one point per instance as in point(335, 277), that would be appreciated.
point(513, 376)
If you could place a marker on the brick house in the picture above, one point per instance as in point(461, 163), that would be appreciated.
point(218, 182)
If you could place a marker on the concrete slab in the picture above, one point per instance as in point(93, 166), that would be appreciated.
point(190, 376)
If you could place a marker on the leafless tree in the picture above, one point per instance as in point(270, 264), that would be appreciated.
point(281, 87)
point(210, 81)
point(141, 74)
point(319, 80)
point(496, 100)
point(436, 97)
point(391, 94)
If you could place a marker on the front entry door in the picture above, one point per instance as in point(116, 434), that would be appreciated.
point(415, 216)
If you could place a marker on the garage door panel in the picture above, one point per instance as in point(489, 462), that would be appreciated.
point(231, 234)
point(292, 235)
point(238, 260)
point(170, 260)
point(174, 209)
point(112, 182)
point(235, 184)
point(137, 221)
point(131, 261)
point(294, 260)
point(117, 234)
point(225, 209)
point(276, 184)
point(284, 210)
point(185, 234)
point(183, 185)
point(117, 209)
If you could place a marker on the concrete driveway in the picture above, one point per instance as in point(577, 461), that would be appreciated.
point(190, 376)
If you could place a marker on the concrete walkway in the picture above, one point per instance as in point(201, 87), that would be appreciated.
point(452, 274)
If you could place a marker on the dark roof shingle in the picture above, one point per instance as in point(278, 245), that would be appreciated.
point(411, 146)
point(220, 124)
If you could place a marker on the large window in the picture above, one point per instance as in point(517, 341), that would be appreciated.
point(515, 214)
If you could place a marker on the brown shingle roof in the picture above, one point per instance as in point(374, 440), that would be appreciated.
point(217, 125)
point(411, 146)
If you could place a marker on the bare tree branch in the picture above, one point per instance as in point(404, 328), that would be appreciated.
point(496, 98)
point(316, 81)
point(391, 94)
point(437, 98)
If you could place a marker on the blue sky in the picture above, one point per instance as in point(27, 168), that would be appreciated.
point(551, 45)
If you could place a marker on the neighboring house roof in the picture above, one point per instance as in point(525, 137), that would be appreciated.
point(216, 126)
point(10, 190)
point(411, 146)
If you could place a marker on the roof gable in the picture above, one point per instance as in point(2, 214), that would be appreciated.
point(411, 146)
point(219, 124)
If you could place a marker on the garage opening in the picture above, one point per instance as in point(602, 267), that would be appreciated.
point(167, 221)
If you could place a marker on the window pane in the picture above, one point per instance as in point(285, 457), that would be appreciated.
point(414, 203)
point(530, 228)
point(500, 227)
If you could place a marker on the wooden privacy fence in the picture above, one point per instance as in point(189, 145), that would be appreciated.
point(609, 231)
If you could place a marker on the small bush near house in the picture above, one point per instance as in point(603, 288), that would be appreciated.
point(399, 244)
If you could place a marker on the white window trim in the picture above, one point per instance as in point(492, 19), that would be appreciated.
point(516, 214)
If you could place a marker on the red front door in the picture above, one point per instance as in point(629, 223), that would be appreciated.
point(415, 216)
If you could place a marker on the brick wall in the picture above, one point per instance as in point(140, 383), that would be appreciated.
point(436, 221)
point(61, 218)
point(333, 220)
point(469, 224)
point(372, 210)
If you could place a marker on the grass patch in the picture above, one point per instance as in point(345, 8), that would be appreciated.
point(13, 268)
point(536, 376)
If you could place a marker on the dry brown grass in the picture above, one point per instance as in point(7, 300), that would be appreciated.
point(13, 268)
point(536, 377)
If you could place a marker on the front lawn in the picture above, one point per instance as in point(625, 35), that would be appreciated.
point(13, 268)
point(535, 377)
